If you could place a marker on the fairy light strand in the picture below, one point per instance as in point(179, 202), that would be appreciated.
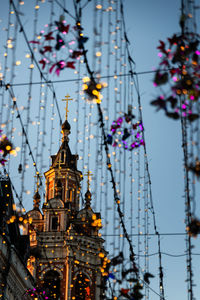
point(106, 111)
point(49, 83)
point(28, 108)
point(184, 126)
point(131, 62)
point(96, 171)
point(11, 92)
point(38, 124)
point(12, 76)
point(5, 65)
point(77, 105)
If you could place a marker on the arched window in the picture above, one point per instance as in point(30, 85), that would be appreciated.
point(69, 195)
point(54, 223)
point(82, 287)
point(51, 285)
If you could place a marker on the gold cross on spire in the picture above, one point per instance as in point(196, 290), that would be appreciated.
point(67, 98)
point(38, 176)
point(88, 174)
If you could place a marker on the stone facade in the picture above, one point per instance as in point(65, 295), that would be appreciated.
point(15, 279)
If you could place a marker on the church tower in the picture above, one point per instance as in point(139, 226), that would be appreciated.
point(66, 249)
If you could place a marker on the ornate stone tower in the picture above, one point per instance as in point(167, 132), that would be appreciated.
point(66, 249)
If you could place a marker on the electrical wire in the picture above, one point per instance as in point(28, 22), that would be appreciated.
point(80, 79)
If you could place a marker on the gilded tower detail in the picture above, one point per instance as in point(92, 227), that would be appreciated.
point(65, 242)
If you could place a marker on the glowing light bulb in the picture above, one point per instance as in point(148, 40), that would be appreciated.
point(85, 86)
point(98, 54)
point(10, 46)
point(86, 79)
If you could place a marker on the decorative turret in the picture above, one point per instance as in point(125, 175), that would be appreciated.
point(63, 178)
point(36, 200)
point(35, 214)
point(65, 131)
point(88, 197)
point(87, 221)
point(36, 225)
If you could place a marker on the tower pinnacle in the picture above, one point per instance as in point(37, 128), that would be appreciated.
point(67, 98)
point(88, 195)
point(66, 126)
point(36, 197)
point(88, 174)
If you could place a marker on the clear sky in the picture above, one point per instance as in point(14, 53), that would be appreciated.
point(147, 22)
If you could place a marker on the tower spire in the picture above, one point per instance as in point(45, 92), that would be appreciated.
point(88, 195)
point(66, 126)
point(67, 99)
point(88, 174)
point(36, 197)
